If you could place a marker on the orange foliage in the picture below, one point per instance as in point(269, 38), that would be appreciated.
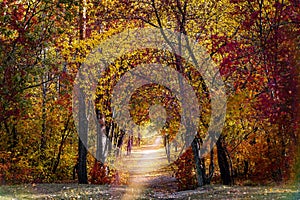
point(185, 173)
point(101, 174)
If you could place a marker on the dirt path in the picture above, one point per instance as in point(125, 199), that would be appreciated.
point(147, 168)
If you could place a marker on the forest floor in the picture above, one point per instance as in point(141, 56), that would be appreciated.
point(145, 182)
point(91, 192)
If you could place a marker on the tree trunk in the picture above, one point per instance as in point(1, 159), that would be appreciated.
point(83, 130)
point(198, 164)
point(45, 78)
point(99, 151)
point(101, 133)
point(211, 169)
point(223, 163)
point(83, 122)
point(64, 136)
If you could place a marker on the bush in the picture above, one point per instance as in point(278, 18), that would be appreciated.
point(185, 172)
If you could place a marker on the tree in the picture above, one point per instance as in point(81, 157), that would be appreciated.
point(83, 122)
point(264, 50)
point(29, 66)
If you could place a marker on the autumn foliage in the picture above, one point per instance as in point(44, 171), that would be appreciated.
point(255, 45)
point(185, 171)
point(100, 174)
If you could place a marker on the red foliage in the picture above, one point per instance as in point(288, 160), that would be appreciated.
point(185, 173)
point(101, 174)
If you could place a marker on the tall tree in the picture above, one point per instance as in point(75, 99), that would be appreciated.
point(83, 122)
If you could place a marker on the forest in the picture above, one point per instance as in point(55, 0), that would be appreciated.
point(192, 93)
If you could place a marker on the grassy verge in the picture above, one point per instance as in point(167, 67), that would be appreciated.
point(90, 192)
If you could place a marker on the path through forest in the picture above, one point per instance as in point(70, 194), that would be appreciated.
point(150, 178)
point(147, 167)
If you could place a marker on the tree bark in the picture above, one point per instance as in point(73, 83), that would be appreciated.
point(197, 163)
point(101, 132)
point(45, 78)
point(83, 130)
point(64, 136)
point(211, 169)
point(223, 163)
point(83, 122)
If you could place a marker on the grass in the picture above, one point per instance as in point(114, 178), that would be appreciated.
point(90, 192)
